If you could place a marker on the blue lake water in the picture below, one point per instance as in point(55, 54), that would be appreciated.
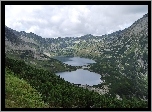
point(77, 61)
point(79, 76)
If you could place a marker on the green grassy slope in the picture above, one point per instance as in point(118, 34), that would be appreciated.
point(19, 94)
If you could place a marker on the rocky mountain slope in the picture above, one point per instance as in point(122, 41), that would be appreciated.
point(23, 46)
point(125, 60)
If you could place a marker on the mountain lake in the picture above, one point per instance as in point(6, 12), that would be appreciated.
point(80, 76)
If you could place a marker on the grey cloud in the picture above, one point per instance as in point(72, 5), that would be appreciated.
point(62, 21)
point(135, 9)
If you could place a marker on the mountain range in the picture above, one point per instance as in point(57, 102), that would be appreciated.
point(121, 55)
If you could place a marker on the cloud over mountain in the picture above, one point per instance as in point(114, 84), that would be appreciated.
point(72, 20)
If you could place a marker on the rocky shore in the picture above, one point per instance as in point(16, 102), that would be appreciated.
point(102, 91)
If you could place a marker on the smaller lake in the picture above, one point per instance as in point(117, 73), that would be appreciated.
point(75, 61)
point(82, 77)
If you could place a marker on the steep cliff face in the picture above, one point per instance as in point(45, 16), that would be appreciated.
point(138, 27)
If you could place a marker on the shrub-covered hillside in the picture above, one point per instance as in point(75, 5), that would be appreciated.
point(55, 91)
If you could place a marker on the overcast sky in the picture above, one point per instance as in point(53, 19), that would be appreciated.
point(72, 20)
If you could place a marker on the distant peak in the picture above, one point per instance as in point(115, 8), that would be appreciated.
point(146, 15)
